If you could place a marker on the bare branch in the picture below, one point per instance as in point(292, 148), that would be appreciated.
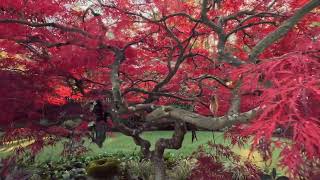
point(239, 28)
point(271, 4)
point(117, 97)
point(235, 100)
point(158, 94)
point(200, 121)
point(219, 80)
point(54, 25)
point(144, 144)
point(206, 20)
point(282, 30)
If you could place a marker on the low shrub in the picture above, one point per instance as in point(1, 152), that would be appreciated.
point(139, 169)
point(216, 161)
point(182, 170)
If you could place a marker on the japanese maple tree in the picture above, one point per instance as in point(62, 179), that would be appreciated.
point(251, 67)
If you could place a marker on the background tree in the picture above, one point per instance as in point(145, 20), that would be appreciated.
point(253, 62)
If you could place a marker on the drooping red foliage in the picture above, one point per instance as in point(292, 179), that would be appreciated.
point(208, 169)
point(56, 52)
point(220, 162)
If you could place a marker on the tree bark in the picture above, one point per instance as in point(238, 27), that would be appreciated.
point(175, 142)
point(282, 30)
point(203, 122)
point(159, 168)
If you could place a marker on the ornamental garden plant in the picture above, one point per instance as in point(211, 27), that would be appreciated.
point(74, 69)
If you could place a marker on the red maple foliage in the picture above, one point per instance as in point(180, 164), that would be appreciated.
point(160, 52)
point(220, 162)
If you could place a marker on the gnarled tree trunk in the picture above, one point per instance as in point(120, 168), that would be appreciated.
point(159, 167)
point(174, 142)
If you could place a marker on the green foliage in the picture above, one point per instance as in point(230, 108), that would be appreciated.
point(121, 144)
point(122, 147)
point(182, 170)
point(140, 169)
point(172, 159)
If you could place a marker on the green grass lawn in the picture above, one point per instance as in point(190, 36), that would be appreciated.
point(120, 143)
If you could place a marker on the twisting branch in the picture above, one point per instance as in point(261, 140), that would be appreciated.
point(206, 20)
point(175, 142)
point(219, 80)
point(158, 94)
point(222, 37)
point(260, 15)
point(235, 100)
point(54, 25)
point(144, 144)
point(117, 97)
point(282, 30)
point(236, 15)
point(180, 59)
point(239, 28)
point(203, 122)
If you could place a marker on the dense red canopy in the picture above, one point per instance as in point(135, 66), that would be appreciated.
point(166, 52)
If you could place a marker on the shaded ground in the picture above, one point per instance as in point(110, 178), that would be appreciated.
point(119, 143)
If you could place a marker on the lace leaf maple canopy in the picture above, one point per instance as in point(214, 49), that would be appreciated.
point(248, 66)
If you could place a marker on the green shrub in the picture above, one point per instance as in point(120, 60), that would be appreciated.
point(182, 170)
point(140, 169)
